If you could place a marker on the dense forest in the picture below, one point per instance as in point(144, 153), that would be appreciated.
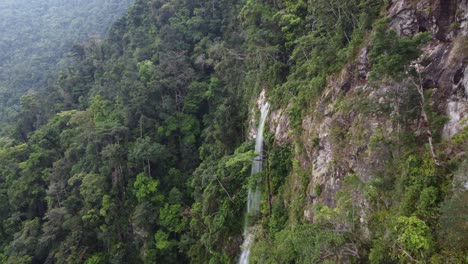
point(35, 37)
point(140, 150)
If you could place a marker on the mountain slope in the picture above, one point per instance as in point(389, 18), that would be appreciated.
point(142, 152)
point(35, 37)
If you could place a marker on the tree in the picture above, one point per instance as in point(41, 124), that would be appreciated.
point(146, 151)
point(413, 238)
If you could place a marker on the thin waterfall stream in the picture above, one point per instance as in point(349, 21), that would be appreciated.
point(253, 197)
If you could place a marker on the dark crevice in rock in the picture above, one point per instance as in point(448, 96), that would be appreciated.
point(346, 87)
point(429, 83)
point(445, 12)
point(458, 75)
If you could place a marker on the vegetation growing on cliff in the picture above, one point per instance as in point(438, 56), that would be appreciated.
point(137, 153)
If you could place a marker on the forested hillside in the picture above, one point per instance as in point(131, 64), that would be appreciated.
point(35, 37)
point(140, 151)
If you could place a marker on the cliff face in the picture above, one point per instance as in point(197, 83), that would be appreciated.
point(353, 128)
point(444, 75)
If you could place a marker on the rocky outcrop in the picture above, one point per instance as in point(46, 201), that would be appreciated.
point(279, 126)
point(339, 135)
point(443, 18)
point(447, 20)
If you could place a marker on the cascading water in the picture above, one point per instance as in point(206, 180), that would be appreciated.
point(253, 197)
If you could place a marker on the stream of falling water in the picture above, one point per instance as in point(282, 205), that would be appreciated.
point(253, 197)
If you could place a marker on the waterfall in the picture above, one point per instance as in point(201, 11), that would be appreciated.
point(253, 197)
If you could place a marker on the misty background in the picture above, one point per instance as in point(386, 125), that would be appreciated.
point(35, 36)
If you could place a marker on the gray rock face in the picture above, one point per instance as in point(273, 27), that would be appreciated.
point(443, 18)
point(279, 126)
point(363, 64)
point(447, 20)
point(405, 22)
point(334, 141)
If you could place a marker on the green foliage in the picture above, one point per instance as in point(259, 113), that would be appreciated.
point(278, 218)
point(299, 244)
point(318, 190)
point(170, 216)
point(416, 186)
point(436, 120)
point(241, 158)
point(279, 165)
point(377, 142)
point(454, 213)
point(37, 38)
point(378, 253)
point(19, 260)
point(220, 189)
point(135, 153)
point(413, 237)
point(96, 259)
point(391, 55)
point(93, 188)
point(162, 241)
point(146, 189)
point(145, 70)
point(413, 202)
point(462, 137)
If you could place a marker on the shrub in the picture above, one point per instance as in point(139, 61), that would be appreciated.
point(390, 55)
point(413, 237)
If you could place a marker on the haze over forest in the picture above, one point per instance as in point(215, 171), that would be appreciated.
point(36, 35)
